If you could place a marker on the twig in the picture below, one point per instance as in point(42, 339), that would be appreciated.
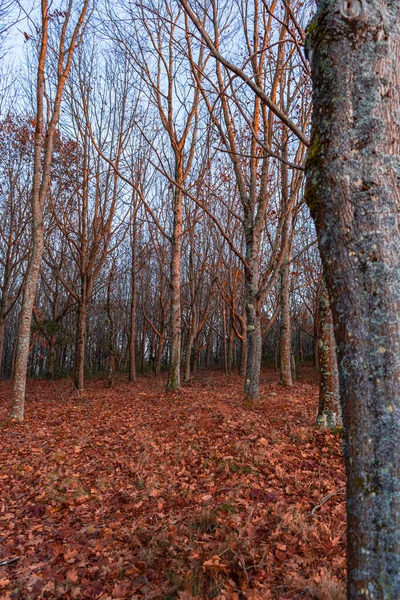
point(326, 498)
point(9, 561)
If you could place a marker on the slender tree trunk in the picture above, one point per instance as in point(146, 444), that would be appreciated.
point(224, 337)
point(51, 363)
point(24, 330)
point(132, 333)
point(293, 366)
point(111, 333)
point(188, 354)
point(174, 377)
point(286, 326)
point(354, 196)
point(254, 340)
point(301, 351)
point(243, 356)
point(39, 189)
point(208, 352)
point(286, 337)
point(2, 328)
point(40, 186)
point(196, 356)
point(81, 343)
point(143, 350)
point(231, 342)
point(328, 409)
point(132, 316)
point(160, 350)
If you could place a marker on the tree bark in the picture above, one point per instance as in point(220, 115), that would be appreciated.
point(231, 343)
point(132, 316)
point(81, 343)
point(286, 337)
point(51, 361)
point(254, 340)
point(39, 191)
point(2, 328)
point(40, 186)
point(286, 325)
point(111, 333)
point(174, 377)
point(328, 410)
point(188, 353)
point(353, 193)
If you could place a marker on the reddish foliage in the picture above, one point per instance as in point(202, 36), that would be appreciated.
point(138, 493)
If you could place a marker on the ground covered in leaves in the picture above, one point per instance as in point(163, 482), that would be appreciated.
point(137, 493)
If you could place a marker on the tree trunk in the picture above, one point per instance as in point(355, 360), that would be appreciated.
point(188, 354)
point(132, 337)
point(132, 316)
point(174, 377)
point(2, 328)
point(254, 340)
point(143, 349)
point(111, 333)
point(293, 366)
point(24, 329)
point(41, 180)
point(231, 342)
point(224, 338)
point(286, 337)
point(243, 356)
point(286, 325)
point(160, 350)
point(353, 193)
point(51, 363)
point(328, 409)
point(196, 356)
point(81, 345)
point(301, 352)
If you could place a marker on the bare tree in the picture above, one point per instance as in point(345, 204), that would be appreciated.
point(44, 140)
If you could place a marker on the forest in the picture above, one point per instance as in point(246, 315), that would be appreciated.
point(200, 299)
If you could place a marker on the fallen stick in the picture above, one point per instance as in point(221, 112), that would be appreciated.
point(328, 497)
point(9, 561)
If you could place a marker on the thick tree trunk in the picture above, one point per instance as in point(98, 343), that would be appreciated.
point(328, 410)
point(354, 196)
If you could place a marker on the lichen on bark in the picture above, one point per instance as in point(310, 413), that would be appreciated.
point(353, 193)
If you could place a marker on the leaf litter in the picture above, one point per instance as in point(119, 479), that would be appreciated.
point(138, 493)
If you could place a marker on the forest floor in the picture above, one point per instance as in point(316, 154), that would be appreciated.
point(133, 492)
